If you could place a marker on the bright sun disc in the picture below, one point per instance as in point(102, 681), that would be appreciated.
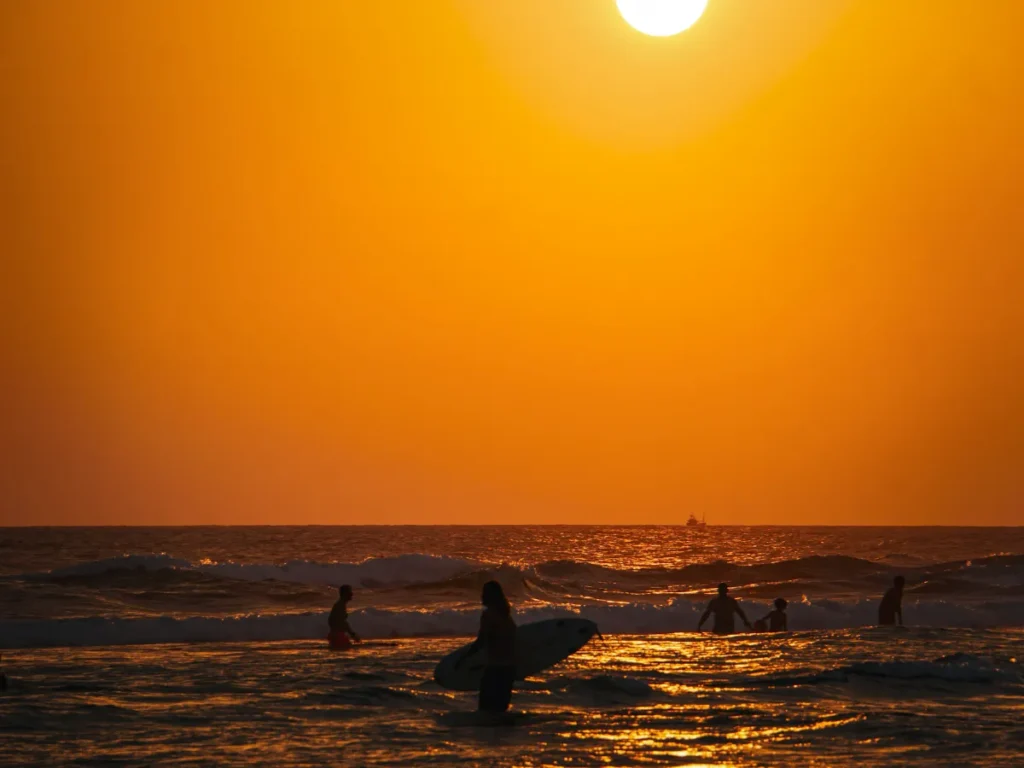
point(661, 18)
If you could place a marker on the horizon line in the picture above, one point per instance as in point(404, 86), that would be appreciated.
point(502, 525)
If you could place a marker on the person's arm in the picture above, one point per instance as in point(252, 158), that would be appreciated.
point(736, 607)
point(705, 616)
point(338, 621)
point(899, 612)
point(475, 645)
point(347, 628)
point(785, 623)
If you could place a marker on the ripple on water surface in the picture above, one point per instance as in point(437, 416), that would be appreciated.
point(854, 696)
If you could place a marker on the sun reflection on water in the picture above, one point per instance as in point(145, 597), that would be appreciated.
point(629, 700)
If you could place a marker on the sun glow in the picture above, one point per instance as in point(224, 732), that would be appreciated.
point(661, 18)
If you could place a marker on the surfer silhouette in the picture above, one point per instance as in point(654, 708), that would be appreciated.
point(776, 620)
point(891, 608)
point(497, 636)
point(341, 634)
point(724, 607)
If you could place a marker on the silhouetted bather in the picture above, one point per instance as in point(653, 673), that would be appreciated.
point(723, 607)
point(890, 611)
point(776, 620)
point(341, 633)
point(498, 637)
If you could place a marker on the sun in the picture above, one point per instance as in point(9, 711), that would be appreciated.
point(661, 18)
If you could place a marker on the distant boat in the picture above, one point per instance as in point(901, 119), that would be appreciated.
point(693, 522)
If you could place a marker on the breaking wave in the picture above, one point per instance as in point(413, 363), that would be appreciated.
point(679, 615)
point(421, 569)
point(453, 580)
point(156, 598)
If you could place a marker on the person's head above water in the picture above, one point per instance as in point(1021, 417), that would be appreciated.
point(345, 592)
point(493, 596)
point(780, 603)
point(723, 589)
point(898, 582)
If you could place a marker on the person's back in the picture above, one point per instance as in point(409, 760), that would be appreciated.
point(776, 620)
point(891, 607)
point(724, 608)
point(338, 620)
point(498, 631)
point(498, 637)
point(341, 634)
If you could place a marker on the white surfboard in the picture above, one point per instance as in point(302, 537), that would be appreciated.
point(539, 645)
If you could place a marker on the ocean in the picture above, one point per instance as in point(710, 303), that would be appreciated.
point(205, 645)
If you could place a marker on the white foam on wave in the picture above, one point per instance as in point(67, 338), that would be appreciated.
point(678, 616)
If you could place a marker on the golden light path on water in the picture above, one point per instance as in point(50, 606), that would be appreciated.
point(671, 547)
point(873, 697)
point(652, 691)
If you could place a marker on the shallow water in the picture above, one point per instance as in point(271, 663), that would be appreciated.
point(867, 697)
point(145, 646)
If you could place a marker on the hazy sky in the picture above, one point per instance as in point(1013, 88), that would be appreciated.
point(461, 261)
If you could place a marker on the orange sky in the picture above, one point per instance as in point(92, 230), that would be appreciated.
point(453, 261)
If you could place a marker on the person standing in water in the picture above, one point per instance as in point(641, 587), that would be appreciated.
point(497, 637)
point(341, 634)
point(776, 620)
point(891, 608)
point(724, 608)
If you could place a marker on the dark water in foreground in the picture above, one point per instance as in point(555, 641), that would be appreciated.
point(866, 697)
point(205, 646)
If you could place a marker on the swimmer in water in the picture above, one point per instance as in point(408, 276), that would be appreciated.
point(891, 608)
point(725, 608)
point(340, 629)
point(776, 620)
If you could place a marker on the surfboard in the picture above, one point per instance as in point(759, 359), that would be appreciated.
point(539, 645)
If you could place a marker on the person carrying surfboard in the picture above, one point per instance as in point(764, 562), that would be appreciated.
point(724, 607)
point(497, 636)
point(340, 631)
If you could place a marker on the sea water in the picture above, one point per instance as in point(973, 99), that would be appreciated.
point(151, 646)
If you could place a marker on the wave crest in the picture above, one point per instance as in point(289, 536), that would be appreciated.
point(999, 573)
point(634, 619)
